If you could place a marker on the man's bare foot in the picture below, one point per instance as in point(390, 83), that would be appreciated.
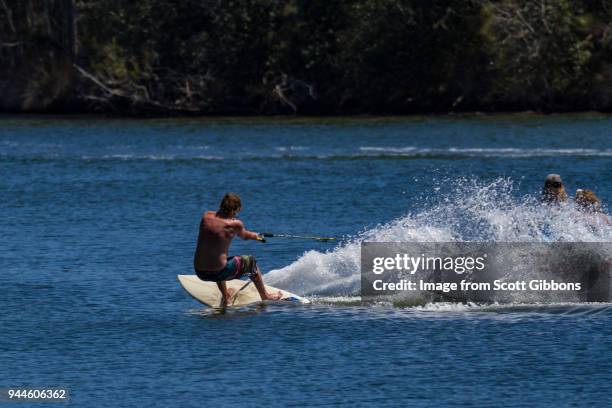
point(274, 296)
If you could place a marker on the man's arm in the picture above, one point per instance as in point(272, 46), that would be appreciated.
point(243, 233)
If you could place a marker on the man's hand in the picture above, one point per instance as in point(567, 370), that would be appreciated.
point(260, 238)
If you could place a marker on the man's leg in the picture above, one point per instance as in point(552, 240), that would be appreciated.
point(226, 294)
point(257, 279)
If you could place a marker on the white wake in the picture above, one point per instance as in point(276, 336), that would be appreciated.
point(473, 211)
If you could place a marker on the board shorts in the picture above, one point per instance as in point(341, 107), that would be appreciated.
point(235, 268)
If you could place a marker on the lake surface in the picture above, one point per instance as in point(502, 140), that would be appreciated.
point(99, 216)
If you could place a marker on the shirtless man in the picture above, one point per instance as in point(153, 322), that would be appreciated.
point(211, 262)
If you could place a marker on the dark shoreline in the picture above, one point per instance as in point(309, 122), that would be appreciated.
point(298, 119)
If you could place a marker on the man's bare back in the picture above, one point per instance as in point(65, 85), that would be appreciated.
point(214, 240)
point(211, 263)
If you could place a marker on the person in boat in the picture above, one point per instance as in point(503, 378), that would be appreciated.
point(553, 191)
point(211, 262)
point(587, 203)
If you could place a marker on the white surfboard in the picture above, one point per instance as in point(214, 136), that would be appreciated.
point(245, 292)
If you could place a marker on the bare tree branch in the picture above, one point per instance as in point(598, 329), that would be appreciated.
point(9, 16)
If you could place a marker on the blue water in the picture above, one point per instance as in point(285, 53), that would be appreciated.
point(99, 216)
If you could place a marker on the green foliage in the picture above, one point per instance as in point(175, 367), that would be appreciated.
point(314, 56)
point(540, 50)
point(410, 55)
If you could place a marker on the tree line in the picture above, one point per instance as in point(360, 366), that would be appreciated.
point(323, 57)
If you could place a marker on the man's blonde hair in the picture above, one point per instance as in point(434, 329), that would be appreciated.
point(230, 206)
